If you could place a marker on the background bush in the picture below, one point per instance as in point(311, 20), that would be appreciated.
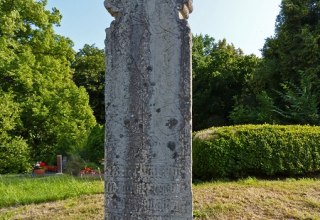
point(259, 150)
point(94, 148)
point(14, 156)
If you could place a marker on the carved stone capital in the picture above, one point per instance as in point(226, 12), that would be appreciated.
point(112, 7)
point(185, 9)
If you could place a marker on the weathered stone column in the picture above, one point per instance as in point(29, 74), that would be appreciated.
point(59, 163)
point(148, 110)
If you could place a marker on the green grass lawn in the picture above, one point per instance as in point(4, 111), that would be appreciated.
point(21, 190)
point(83, 199)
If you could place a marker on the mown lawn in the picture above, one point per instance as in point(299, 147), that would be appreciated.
point(244, 199)
point(21, 190)
point(257, 199)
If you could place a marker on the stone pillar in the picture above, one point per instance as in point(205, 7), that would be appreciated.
point(59, 163)
point(148, 110)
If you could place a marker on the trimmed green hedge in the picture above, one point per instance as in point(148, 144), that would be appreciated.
point(259, 150)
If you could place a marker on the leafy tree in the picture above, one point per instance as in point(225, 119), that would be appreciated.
point(290, 71)
point(220, 72)
point(89, 67)
point(301, 102)
point(9, 114)
point(14, 152)
point(14, 155)
point(295, 46)
point(254, 109)
point(94, 149)
point(54, 115)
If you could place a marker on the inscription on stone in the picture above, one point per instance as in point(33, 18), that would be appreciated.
point(148, 110)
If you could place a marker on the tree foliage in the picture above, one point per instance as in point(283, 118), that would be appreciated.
point(89, 67)
point(51, 113)
point(220, 72)
point(94, 149)
point(46, 90)
point(290, 72)
point(14, 152)
point(14, 155)
point(301, 101)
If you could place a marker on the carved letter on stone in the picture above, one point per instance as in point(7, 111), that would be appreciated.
point(148, 110)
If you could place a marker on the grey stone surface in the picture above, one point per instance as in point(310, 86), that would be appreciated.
point(148, 110)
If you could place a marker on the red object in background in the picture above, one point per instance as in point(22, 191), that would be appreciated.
point(47, 167)
point(41, 167)
point(87, 170)
point(51, 168)
point(39, 171)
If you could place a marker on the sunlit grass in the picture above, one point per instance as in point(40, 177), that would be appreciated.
point(21, 190)
point(258, 199)
point(244, 199)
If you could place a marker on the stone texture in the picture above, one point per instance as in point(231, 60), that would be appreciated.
point(148, 110)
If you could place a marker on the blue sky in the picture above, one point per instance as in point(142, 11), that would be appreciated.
point(245, 23)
